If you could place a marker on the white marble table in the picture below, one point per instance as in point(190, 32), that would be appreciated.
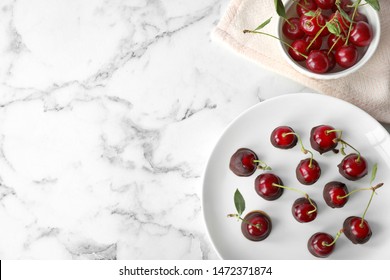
point(108, 113)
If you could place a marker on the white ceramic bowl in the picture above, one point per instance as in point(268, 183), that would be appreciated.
point(337, 72)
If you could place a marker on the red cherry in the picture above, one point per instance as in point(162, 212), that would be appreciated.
point(303, 6)
point(333, 194)
point(323, 138)
point(242, 162)
point(280, 140)
point(355, 231)
point(298, 47)
point(341, 21)
point(256, 226)
point(352, 167)
point(325, 4)
point(311, 25)
point(335, 42)
point(332, 60)
point(346, 56)
point(291, 29)
point(315, 44)
point(303, 210)
point(345, 5)
point(317, 62)
point(318, 244)
point(308, 175)
point(358, 17)
point(264, 186)
point(361, 34)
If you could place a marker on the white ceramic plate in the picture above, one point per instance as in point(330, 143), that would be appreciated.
point(288, 239)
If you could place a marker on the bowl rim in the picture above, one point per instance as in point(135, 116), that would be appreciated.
point(345, 72)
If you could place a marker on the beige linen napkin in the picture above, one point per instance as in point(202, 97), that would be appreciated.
point(368, 88)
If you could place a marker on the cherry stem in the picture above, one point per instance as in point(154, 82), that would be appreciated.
point(258, 226)
point(369, 202)
point(262, 165)
point(361, 189)
point(349, 145)
point(303, 149)
point(350, 25)
point(298, 191)
point(334, 240)
point(272, 36)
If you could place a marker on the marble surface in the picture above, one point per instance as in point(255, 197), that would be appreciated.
point(108, 113)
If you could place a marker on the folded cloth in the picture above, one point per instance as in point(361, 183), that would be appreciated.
point(368, 88)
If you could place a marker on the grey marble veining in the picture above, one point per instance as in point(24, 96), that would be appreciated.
point(108, 113)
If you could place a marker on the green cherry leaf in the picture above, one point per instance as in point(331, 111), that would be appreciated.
point(310, 14)
point(239, 202)
point(333, 28)
point(280, 9)
point(265, 23)
point(373, 172)
point(374, 4)
point(345, 15)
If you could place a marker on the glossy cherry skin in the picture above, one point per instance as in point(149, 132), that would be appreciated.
point(242, 162)
point(346, 56)
point(332, 59)
point(264, 186)
point(311, 25)
point(335, 42)
point(358, 17)
point(361, 34)
point(325, 4)
point(308, 175)
point(291, 29)
point(352, 168)
point(317, 244)
point(323, 139)
point(317, 62)
point(345, 5)
point(333, 193)
point(356, 233)
point(251, 231)
point(316, 44)
point(298, 47)
point(301, 208)
point(303, 6)
point(280, 140)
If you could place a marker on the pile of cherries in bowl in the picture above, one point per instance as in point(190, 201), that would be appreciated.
point(325, 36)
point(257, 225)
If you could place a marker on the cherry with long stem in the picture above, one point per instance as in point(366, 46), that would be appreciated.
point(301, 192)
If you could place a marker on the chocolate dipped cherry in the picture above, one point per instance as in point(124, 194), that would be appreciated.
point(308, 171)
point(321, 244)
point(256, 225)
point(323, 138)
point(335, 194)
point(357, 230)
point(283, 137)
point(353, 167)
point(265, 186)
point(244, 163)
point(304, 209)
